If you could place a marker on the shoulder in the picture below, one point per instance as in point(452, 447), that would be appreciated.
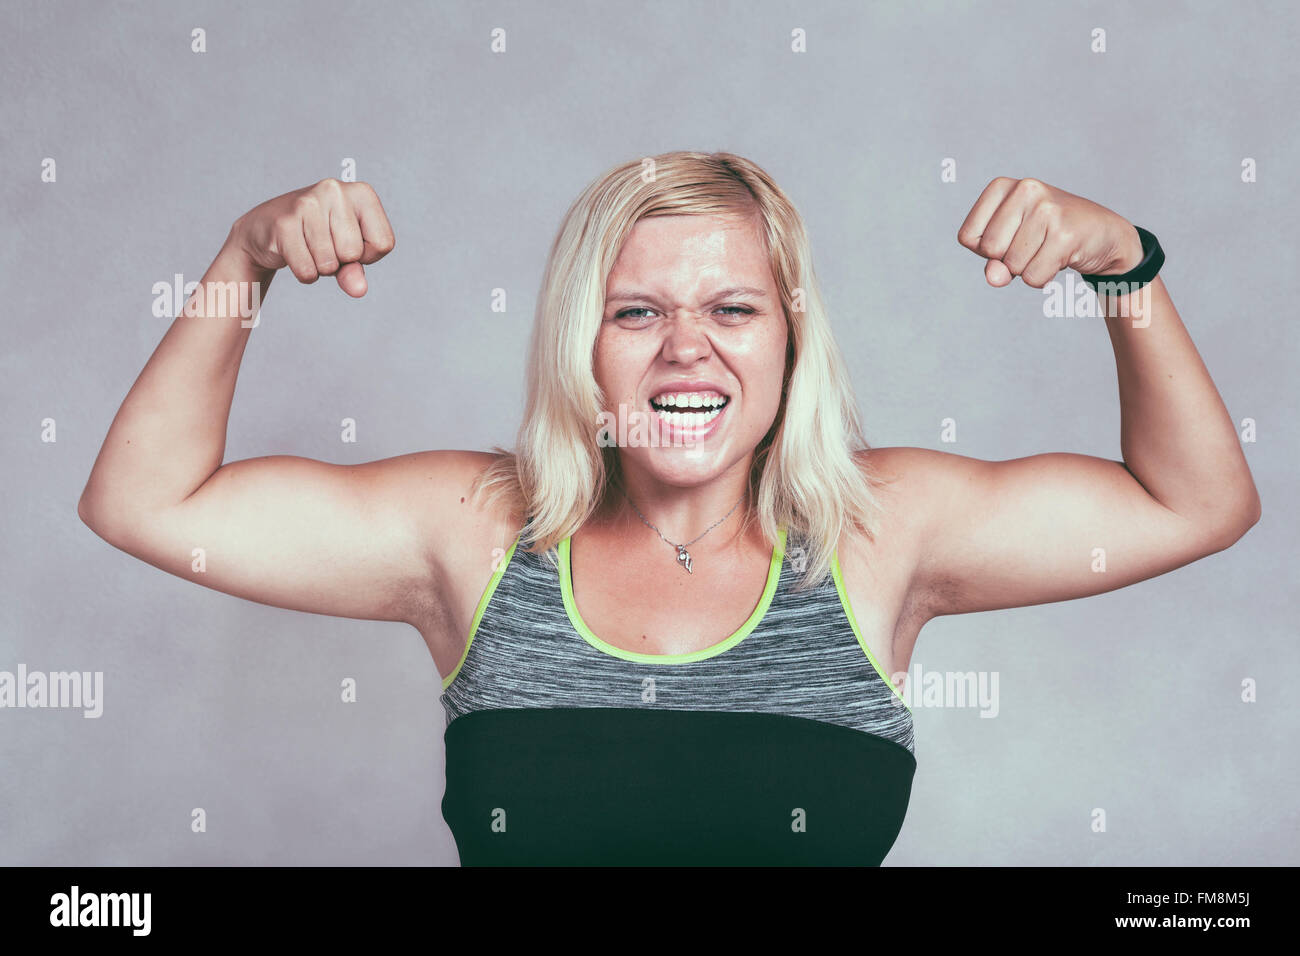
point(919, 479)
point(436, 490)
point(905, 484)
point(914, 466)
point(919, 491)
point(886, 575)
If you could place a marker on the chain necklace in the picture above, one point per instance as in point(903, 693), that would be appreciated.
point(683, 556)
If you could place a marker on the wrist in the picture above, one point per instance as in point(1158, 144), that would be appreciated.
point(235, 252)
point(1129, 256)
point(1121, 281)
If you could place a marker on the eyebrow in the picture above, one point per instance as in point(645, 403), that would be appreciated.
point(628, 295)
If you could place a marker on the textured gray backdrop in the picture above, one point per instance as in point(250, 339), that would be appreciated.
point(1128, 701)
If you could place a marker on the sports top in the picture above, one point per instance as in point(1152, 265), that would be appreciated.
point(784, 744)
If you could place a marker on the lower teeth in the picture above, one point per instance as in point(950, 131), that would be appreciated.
point(688, 419)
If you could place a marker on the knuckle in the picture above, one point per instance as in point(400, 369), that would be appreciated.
point(306, 204)
point(1034, 277)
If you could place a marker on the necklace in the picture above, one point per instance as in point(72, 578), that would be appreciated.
point(683, 556)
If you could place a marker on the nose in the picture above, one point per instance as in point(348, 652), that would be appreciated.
point(684, 339)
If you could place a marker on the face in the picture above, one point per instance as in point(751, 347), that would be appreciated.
point(692, 323)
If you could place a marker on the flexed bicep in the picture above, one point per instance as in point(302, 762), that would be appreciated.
point(1050, 527)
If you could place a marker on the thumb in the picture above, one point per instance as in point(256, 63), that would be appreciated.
point(351, 278)
point(997, 273)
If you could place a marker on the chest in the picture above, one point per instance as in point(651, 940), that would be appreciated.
point(646, 601)
point(650, 605)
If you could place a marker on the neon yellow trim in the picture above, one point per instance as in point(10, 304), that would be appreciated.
point(482, 606)
point(853, 623)
point(570, 605)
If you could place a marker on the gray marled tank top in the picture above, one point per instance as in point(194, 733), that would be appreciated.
point(782, 745)
point(798, 654)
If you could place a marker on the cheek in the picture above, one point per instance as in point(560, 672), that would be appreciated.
point(603, 361)
point(769, 374)
point(767, 369)
point(614, 366)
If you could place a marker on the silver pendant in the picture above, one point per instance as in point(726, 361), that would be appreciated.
point(684, 557)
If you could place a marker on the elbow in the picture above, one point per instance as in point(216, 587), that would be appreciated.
point(1248, 515)
point(95, 516)
point(85, 512)
point(93, 521)
point(1232, 527)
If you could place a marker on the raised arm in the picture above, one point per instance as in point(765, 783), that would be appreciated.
point(1051, 527)
point(346, 540)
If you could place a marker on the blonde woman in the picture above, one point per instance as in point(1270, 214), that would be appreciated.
point(666, 620)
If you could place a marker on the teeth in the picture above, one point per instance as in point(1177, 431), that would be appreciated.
point(689, 400)
point(689, 419)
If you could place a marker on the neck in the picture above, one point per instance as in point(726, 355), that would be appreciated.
point(682, 514)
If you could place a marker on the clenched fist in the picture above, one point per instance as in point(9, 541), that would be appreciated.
point(331, 228)
point(1029, 229)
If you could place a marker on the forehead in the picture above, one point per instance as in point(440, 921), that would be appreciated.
point(681, 251)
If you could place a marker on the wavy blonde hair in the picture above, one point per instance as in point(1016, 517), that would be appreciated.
point(805, 472)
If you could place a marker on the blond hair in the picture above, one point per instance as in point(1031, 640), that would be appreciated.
point(805, 474)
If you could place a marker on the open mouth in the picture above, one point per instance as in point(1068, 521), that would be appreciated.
point(689, 410)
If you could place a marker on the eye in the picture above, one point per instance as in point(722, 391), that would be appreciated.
point(733, 313)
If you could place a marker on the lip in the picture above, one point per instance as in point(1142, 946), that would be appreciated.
point(679, 435)
point(690, 385)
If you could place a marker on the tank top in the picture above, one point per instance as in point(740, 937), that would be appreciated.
point(784, 744)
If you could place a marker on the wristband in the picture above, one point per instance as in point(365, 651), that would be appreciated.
point(1153, 257)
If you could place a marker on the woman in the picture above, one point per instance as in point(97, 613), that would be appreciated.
point(666, 621)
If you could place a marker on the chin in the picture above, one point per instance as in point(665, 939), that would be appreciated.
point(683, 467)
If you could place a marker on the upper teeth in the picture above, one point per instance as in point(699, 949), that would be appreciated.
point(690, 400)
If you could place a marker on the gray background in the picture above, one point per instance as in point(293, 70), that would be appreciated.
point(1128, 701)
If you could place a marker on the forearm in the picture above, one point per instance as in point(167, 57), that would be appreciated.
point(1176, 435)
point(169, 435)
